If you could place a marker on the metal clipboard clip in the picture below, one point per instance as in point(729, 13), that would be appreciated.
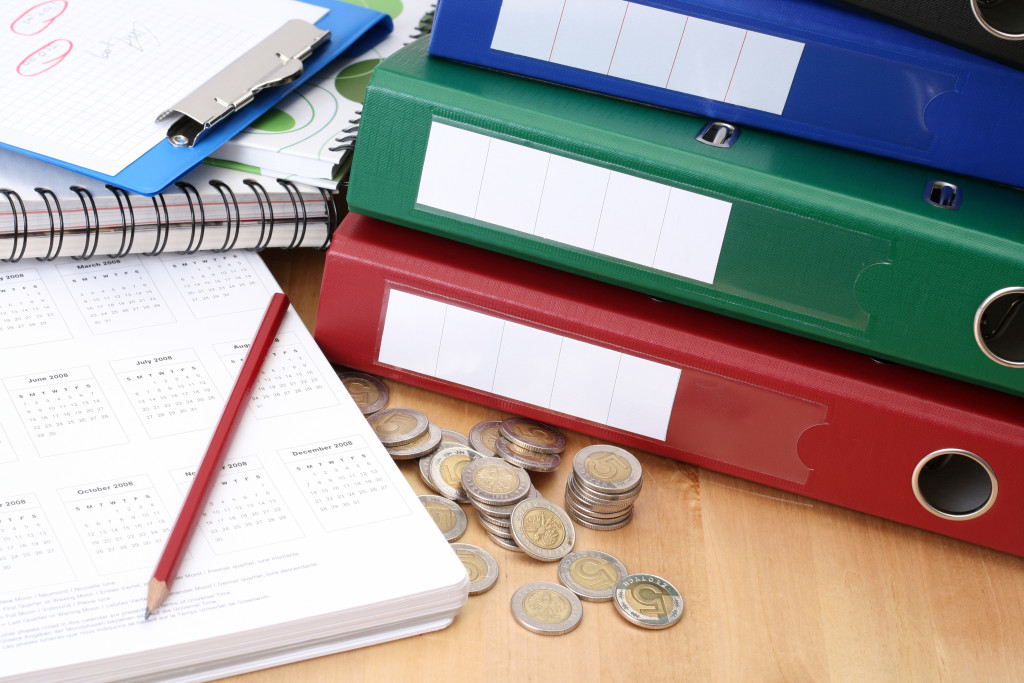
point(274, 61)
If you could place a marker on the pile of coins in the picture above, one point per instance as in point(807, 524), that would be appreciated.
point(551, 609)
point(490, 469)
point(494, 488)
point(532, 445)
point(603, 486)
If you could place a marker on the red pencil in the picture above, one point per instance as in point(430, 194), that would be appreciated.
point(195, 501)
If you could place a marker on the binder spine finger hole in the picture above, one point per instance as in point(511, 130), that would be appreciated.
point(1002, 18)
point(999, 327)
point(955, 484)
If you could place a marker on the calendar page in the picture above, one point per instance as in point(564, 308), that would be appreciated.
point(113, 375)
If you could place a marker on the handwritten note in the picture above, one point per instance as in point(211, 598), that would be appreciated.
point(85, 80)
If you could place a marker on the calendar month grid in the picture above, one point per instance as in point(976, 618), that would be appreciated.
point(30, 554)
point(123, 523)
point(245, 510)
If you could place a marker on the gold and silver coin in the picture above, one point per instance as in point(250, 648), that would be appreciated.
point(424, 468)
point(369, 392)
point(648, 601)
point(446, 470)
point(492, 481)
point(606, 469)
point(533, 435)
point(547, 608)
point(480, 565)
point(452, 438)
point(398, 426)
point(591, 574)
point(420, 446)
point(525, 458)
point(506, 543)
point(503, 510)
point(542, 529)
point(482, 436)
point(447, 515)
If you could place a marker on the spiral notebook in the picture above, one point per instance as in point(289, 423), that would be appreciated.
point(113, 373)
point(48, 212)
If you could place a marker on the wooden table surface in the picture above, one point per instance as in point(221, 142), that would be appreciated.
point(776, 587)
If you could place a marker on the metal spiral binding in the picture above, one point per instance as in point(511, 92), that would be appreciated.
point(293, 192)
point(50, 252)
point(187, 188)
point(256, 189)
point(127, 232)
point(224, 191)
point(165, 225)
point(15, 254)
point(347, 143)
point(92, 226)
point(332, 217)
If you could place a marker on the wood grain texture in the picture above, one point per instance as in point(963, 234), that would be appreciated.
point(777, 587)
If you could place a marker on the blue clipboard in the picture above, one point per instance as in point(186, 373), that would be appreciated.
point(353, 30)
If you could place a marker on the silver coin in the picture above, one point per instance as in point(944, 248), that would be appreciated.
point(603, 526)
point(528, 460)
point(606, 468)
point(542, 529)
point(506, 543)
point(493, 481)
point(480, 565)
point(500, 522)
point(424, 467)
point(398, 426)
point(596, 517)
point(547, 608)
point(504, 510)
point(422, 445)
point(648, 600)
point(446, 470)
point(483, 435)
point(596, 502)
point(369, 392)
point(604, 497)
point(448, 516)
point(533, 435)
point(453, 438)
point(591, 574)
point(495, 529)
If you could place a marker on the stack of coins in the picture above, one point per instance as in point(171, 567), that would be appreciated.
point(406, 433)
point(603, 486)
point(494, 487)
point(531, 445)
point(448, 438)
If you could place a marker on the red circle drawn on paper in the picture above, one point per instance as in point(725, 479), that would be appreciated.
point(45, 58)
point(38, 14)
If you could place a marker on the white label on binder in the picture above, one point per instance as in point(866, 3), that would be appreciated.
point(572, 202)
point(653, 46)
point(526, 364)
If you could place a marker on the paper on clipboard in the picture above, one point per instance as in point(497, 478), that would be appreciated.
point(84, 81)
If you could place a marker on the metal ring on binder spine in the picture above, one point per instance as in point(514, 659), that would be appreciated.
point(187, 188)
point(256, 189)
point(92, 226)
point(127, 240)
point(165, 226)
point(15, 254)
point(293, 193)
point(51, 253)
point(229, 242)
point(332, 217)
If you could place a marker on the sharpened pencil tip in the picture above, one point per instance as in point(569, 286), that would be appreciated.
point(147, 614)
